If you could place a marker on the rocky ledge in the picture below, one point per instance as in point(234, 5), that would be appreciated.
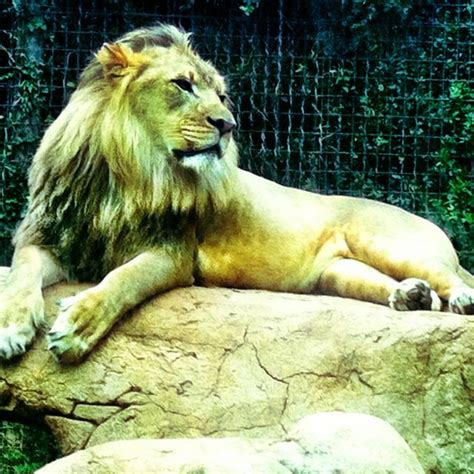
point(208, 362)
point(321, 443)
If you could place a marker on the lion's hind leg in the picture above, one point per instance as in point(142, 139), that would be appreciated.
point(21, 300)
point(354, 279)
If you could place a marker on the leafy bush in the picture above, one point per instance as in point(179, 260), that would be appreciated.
point(23, 121)
point(24, 449)
point(381, 106)
point(454, 211)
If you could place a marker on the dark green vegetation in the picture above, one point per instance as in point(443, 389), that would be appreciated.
point(23, 112)
point(23, 449)
point(378, 103)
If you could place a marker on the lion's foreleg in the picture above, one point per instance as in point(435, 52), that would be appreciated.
point(21, 300)
point(353, 279)
point(85, 318)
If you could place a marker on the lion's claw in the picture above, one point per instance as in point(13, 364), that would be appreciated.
point(21, 313)
point(71, 337)
point(14, 340)
point(68, 348)
point(461, 301)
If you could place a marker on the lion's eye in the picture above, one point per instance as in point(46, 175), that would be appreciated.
point(183, 84)
point(223, 98)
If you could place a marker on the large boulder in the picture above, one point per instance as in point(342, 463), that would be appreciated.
point(321, 443)
point(199, 362)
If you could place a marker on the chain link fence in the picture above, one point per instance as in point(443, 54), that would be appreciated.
point(356, 97)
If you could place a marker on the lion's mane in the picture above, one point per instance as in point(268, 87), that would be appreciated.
point(99, 192)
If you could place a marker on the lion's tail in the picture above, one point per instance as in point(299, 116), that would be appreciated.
point(466, 277)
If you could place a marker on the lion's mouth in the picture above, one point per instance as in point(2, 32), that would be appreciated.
point(212, 150)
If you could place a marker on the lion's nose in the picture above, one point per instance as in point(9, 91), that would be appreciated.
point(223, 125)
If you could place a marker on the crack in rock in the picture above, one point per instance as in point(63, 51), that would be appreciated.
point(254, 363)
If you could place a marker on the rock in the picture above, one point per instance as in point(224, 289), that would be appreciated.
point(198, 362)
point(351, 442)
point(193, 456)
point(321, 443)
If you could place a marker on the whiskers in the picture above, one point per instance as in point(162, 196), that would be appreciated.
point(197, 136)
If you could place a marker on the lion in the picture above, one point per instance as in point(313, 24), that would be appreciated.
point(136, 185)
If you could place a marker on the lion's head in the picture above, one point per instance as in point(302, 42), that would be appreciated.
point(159, 116)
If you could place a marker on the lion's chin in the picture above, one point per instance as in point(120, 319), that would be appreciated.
point(199, 160)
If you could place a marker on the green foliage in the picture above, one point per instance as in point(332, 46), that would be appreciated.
point(389, 122)
point(24, 448)
point(249, 6)
point(364, 25)
point(455, 210)
point(23, 124)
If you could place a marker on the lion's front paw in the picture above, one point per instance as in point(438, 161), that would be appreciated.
point(20, 314)
point(413, 294)
point(15, 339)
point(78, 327)
point(63, 341)
point(461, 301)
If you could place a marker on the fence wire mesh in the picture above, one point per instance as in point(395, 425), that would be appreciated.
point(332, 96)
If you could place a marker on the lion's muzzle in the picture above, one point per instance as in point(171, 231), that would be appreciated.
point(223, 125)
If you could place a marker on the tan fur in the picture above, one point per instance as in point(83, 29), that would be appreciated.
point(107, 162)
point(136, 185)
point(289, 240)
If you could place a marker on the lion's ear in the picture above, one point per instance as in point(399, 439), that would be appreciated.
point(119, 60)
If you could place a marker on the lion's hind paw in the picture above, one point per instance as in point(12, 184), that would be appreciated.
point(461, 301)
point(413, 294)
